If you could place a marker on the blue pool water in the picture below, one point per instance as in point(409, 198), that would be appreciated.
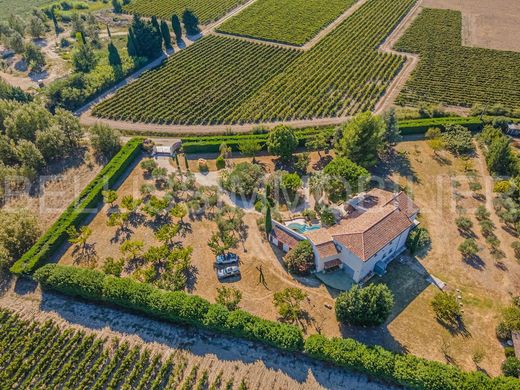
point(301, 228)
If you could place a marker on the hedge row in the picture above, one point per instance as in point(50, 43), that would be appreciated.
point(173, 306)
point(407, 370)
point(421, 126)
point(76, 212)
point(212, 144)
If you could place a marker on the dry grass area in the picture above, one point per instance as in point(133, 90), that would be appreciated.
point(491, 24)
point(485, 287)
point(256, 254)
point(55, 188)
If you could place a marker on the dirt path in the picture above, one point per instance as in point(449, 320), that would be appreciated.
point(262, 367)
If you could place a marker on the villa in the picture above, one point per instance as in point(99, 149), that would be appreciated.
point(371, 233)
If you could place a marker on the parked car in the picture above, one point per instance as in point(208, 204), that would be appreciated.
point(228, 272)
point(228, 258)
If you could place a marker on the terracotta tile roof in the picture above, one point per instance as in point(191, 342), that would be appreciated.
point(284, 237)
point(369, 240)
point(365, 233)
point(327, 249)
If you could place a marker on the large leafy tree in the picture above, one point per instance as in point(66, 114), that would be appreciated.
point(243, 179)
point(104, 140)
point(282, 142)
point(18, 232)
point(363, 139)
point(500, 158)
point(458, 139)
point(368, 306)
point(344, 177)
point(300, 260)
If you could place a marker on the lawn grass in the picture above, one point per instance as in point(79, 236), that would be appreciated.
point(287, 21)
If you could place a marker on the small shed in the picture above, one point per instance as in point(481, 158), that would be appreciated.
point(167, 149)
point(283, 238)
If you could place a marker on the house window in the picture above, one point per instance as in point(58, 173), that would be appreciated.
point(338, 247)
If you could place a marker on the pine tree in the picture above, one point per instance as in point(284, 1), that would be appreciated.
point(114, 59)
point(165, 31)
point(176, 27)
point(268, 220)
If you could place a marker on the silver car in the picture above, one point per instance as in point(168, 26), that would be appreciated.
point(228, 272)
point(228, 258)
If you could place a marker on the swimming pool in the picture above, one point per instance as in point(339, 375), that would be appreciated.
point(302, 228)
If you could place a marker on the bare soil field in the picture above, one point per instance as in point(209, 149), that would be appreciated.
point(491, 24)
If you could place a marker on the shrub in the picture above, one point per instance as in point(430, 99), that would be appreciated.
point(516, 247)
point(78, 210)
point(300, 260)
point(309, 214)
point(220, 162)
point(173, 306)
point(370, 305)
point(464, 224)
point(511, 367)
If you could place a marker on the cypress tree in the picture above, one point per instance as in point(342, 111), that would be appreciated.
point(114, 59)
point(191, 22)
point(109, 33)
point(186, 162)
point(268, 220)
point(130, 44)
point(165, 31)
point(157, 28)
point(176, 27)
point(55, 22)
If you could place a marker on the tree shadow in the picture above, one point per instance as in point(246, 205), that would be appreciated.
point(397, 162)
point(475, 262)
point(191, 279)
point(85, 255)
point(322, 162)
point(455, 328)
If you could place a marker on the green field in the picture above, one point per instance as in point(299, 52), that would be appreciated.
point(43, 356)
point(451, 74)
point(225, 80)
point(287, 21)
point(206, 10)
point(201, 84)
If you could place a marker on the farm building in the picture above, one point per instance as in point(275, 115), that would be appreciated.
point(371, 233)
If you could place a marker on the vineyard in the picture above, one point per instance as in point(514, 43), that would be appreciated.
point(41, 355)
point(286, 21)
point(452, 74)
point(224, 80)
point(206, 10)
point(205, 81)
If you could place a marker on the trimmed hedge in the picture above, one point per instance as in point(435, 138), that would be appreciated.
point(172, 306)
point(407, 370)
point(421, 126)
point(212, 144)
point(78, 210)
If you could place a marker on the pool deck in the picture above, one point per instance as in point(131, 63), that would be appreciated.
point(338, 280)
